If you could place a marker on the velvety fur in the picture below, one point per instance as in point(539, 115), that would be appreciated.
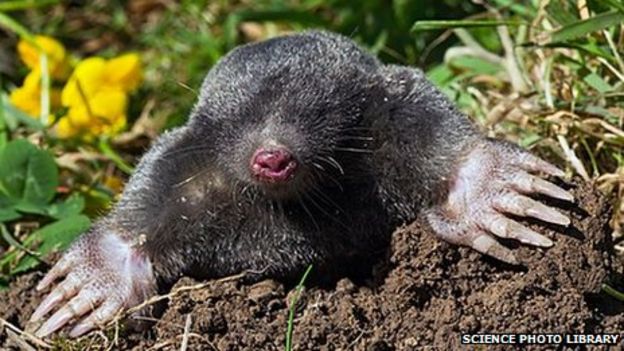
point(377, 143)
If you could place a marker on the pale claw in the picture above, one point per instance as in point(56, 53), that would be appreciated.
point(78, 306)
point(97, 319)
point(535, 164)
point(464, 234)
point(486, 186)
point(523, 206)
point(488, 246)
point(104, 274)
point(529, 184)
point(65, 290)
point(60, 269)
point(504, 227)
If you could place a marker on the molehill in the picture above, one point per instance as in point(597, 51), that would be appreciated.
point(424, 292)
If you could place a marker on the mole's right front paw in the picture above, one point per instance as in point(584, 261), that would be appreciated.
point(103, 274)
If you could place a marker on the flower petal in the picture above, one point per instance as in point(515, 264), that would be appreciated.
point(53, 49)
point(87, 79)
point(124, 71)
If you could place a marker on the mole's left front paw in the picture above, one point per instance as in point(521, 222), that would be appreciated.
point(491, 182)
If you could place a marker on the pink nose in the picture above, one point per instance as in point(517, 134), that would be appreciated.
point(273, 165)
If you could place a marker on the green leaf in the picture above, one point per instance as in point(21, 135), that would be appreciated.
point(475, 65)
point(13, 116)
point(616, 4)
point(440, 75)
point(523, 9)
point(563, 11)
point(28, 175)
point(530, 139)
point(596, 82)
point(8, 120)
point(583, 27)
point(446, 24)
point(72, 206)
point(8, 214)
point(3, 126)
point(29, 207)
point(4, 137)
point(53, 237)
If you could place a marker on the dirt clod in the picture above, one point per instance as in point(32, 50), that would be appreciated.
point(424, 293)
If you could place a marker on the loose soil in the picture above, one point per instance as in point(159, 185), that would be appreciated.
point(423, 295)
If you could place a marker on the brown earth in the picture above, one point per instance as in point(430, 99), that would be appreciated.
point(423, 295)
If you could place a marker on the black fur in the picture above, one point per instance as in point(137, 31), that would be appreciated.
point(376, 144)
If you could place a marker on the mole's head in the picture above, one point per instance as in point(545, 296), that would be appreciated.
point(281, 111)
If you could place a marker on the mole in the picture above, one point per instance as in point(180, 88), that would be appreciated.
point(301, 149)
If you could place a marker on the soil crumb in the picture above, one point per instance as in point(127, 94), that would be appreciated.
point(423, 295)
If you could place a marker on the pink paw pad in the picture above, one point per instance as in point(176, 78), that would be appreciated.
point(102, 275)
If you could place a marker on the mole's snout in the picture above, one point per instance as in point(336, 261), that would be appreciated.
point(273, 165)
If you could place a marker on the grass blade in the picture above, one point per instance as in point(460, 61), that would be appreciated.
point(616, 4)
point(12, 25)
point(434, 25)
point(25, 4)
point(590, 25)
point(611, 291)
point(293, 304)
point(44, 110)
point(108, 151)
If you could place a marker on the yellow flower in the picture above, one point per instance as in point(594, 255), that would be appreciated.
point(27, 98)
point(96, 94)
point(125, 71)
point(114, 183)
point(87, 79)
point(102, 114)
point(93, 74)
point(57, 59)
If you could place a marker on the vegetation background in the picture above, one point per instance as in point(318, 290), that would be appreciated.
point(548, 75)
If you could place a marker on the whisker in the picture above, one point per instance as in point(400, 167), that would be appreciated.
point(320, 177)
point(358, 129)
point(189, 179)
point(186, 150)
point(318, 166)
point(234, 191)
point(354, 150)
point(324, 197)
point(335, 181)
point(353, 137)
point(244, 189)
point(329, 215)
point(336, 163)
point(305, 208)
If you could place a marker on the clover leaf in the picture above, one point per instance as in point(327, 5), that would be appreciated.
point(28, 176)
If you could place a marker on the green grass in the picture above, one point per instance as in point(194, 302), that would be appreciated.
point(293, 307)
